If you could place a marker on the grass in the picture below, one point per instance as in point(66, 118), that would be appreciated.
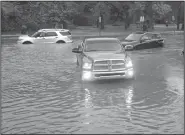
point(108, 29)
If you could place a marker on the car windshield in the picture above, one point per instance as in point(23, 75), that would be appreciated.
point(36, 34)
point(133, 37)
point(102, 45)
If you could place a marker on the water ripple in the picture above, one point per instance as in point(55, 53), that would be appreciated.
point(42, 93)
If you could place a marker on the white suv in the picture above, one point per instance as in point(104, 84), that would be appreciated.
point(47, 36)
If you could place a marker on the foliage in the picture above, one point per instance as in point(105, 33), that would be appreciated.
point(161, 8)
point(36, 13)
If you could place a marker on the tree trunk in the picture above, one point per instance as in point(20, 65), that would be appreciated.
point(178, 22)
point(116, 18)
point(178, 16)
point(149, 13)
point(182, 28)
point(127, 23)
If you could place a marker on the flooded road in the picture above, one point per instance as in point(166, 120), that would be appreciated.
point(42, 93)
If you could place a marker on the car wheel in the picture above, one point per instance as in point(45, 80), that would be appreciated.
point(27, 42)
point(60, 41)
point(162, 45)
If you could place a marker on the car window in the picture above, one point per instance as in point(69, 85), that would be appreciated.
point(42, 34)
point(153, 36)
point(65, 33)
point(146, 37)
point(50, 34)
point(156, 36)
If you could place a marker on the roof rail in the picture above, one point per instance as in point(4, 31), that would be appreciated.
point(53, 29)
point(139, 32)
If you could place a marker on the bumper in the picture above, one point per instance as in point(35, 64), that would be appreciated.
point(19, 42)
point(91, 76)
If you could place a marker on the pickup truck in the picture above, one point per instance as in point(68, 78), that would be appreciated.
point(103, 58)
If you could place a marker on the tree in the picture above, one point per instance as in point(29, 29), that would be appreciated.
point(37, 13)
point(161, 9)
point(180, 15)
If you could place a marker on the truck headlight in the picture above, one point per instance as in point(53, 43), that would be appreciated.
point(87, 65)
point(86, 75)
point(129, 63)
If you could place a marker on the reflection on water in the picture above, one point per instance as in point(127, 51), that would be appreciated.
point(88, 99)
point(42, 93)
point(129, 96)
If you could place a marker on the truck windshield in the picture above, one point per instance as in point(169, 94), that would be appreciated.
point(102, 45)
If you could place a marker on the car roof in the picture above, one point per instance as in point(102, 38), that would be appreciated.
point(51, 30)
point(142, 33)
point(152, 33)
point(138, 32)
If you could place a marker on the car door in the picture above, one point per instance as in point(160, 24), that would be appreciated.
point(51, 37)
point(40, 37)
point(159, 42)
point(144, 41)
point(147, 41)
point(152, 42)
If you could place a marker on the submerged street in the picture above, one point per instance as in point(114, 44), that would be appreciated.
point(42, 92)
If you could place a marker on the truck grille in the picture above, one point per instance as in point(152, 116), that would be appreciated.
point(108, 65)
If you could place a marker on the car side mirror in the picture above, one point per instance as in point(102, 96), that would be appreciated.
point(129, 47)
point(76, 50)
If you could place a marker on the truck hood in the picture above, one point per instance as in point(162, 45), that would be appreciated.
point(105, 55)
point(124, 43)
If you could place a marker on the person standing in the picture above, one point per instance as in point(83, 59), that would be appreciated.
point(145, 26)
point(166, 22)
point(24, 29)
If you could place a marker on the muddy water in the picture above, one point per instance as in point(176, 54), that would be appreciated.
point(42, 93)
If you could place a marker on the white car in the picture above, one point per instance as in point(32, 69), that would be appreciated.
point(47, 36)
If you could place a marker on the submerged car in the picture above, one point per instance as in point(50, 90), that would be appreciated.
point(47, 36)
point(103, 58)
point(143, 40)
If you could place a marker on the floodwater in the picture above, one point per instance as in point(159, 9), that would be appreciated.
point(42, 92)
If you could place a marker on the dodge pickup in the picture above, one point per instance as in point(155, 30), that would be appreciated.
point(103, 58)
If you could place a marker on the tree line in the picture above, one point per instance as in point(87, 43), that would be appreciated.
point(35, 14)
